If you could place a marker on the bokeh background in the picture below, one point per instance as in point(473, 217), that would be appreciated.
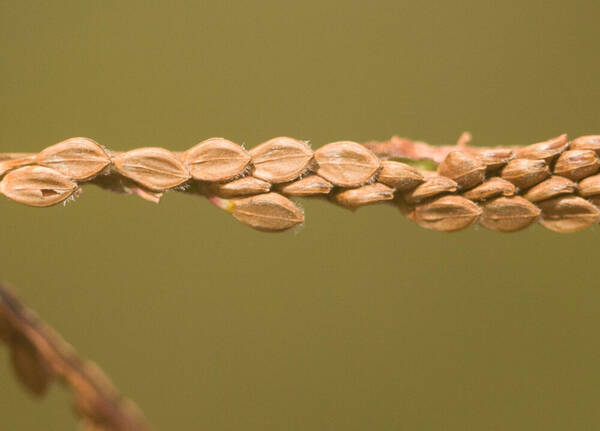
point(357, 321)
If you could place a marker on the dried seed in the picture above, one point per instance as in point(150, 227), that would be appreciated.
point(590, 186)
point(568, 214)
point(586, 143)
point(369, 194)
point(508, 214)
point(577, 164)
point(446, 214)
point(346, 164)
point(308, 186)
point(399, 175)
point(10, 164)
point(280, 159)
point(433, 185)
point(78, 158)
point(216, 159)
point(241, 187)
point(269, 212)
point(37, 186)
point(465, 169)
point(495, 158)
point(525, 173)
point(28, 365)
point(492, 188)
point(547, 150)
point(154, 168)
point(550, 188)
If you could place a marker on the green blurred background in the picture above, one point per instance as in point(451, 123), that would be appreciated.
point(357, 321)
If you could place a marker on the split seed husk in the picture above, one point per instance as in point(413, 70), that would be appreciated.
point(433, 185)
point(308, 186)
point(495, 158)
point(509, 214)
point(446, 214)
point(467, 170)
point(547, 150)
point(591, 142)
point(155, 168)
point(525, 173)
point(216, 159)
point(568, 214)
point(492, 188)
point(281, 159)
point(365, 195)
point(269, 212)
point(346, 163)
point(37, 186)
point(78, 158)
point(590, 186)
point(550, 188)
point(577, 164)
point(241, 187)
point(399, 175)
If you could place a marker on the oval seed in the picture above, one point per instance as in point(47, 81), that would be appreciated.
point(399, 175)
point(446, 214)
point(577, 164)
point(308, 186)
point(241, 187)
point(37, 186)
point(433, 185)
point(586, 143)
point(346, 164)
point(280, 159)
point(525, 173)
point(495, 158)
point(508, 214)
point(547, 150)
point(568, 214)
point(369, 194)
point(492, 188)
point(155, 168)
point(269, 212)
point(216, 159)
point(465, 169)
point(78, 158)
point(550, 188)
point(590, 186)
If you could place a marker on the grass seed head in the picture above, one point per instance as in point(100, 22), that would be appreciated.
point(281, 159)
point(547, 150)
point(78, 158)
point(525, 173)
point(241, 187)
point(467, 170)
point(550, 188)
point(508, 214)
point(365, 195)
point(346, 163)
point(399, 175)
point(216, 159)
point(566, 214)
point(308, 186)
point(446, 214)
point(37, 186)
point(492, 188)
point(269, 212)
point(577, 164)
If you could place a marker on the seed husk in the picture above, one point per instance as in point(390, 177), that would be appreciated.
point(591, 142)
point(308, 186)
point(508, 214)
point(280, 159)
point(590, 186)
point(568, 214)
point(525, 173)
point(365, 195)
point(547, 150)
point(399, 175)
point(241, 187)
point(495, 158)
point(10, 164)
point(346, 163)
point(433, 185)
point(550, 188)
point(577, 164)
point(37, 186)
point(467, 170)
point(492, 188)
point(154, 168)
point(446, 214)
point(216, 159)
point(78, 158)
point(269, 212)
point(28, 365)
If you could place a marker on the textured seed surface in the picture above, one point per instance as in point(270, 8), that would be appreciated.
point(577, 164)
point(547, 150)
point(591, 142)
point(525, 173)
point(346, 164)
point(433, 185)
point(495, 158)
point(308, 186)
point(77, 158)
point(216, 159)
point(241, 187)
point(467, 170)
point(281, 159)
point(492, 188)
point(155, 168)
point(508, 214)
point(446, 214)
point(399, 175)
point(550, 188)
point(269, 212)
point(589, 186)
point(568, 214)
point(37, 186)
point(369, 194)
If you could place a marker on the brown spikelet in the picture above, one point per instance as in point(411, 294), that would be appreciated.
point(577, 164)
point(525, 173)
point(216, 159)
point(37, 186)
point(399, 175)
point(446, 214)
point(508, 214)
point(269, 212)
point(241, 187)
point(492, 188)
point(155, 168)
point(280, 159)
point(547, 150)
point(77, 158)
point(308, 186)
point(346, 164)
point(495, 158)
point(433, 185)
point(589, 186)
point(591, 142)
point(566, 214)
point(466, 169)
point(365, 195)
point(550, 188)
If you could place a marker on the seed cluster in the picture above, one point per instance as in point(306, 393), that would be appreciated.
point(555, 182)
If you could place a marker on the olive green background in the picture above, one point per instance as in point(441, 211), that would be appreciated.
point(356, 321)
